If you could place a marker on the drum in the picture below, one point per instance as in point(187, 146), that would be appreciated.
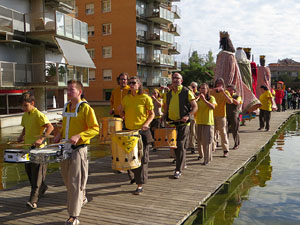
point(15, 156)
point(126, 150)
point(44, 155)
point(165, 138)
point(108, 126)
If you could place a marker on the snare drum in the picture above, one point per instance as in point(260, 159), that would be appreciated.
point(44, 155)
point(165, 138)
point(15, 156)
point(126, 150)
point(108, 126)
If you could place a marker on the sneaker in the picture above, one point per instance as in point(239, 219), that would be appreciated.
point(72, 221)
point(85, 201)
point(226, 154)
point(177, 175)
point(31, 205)
point(138, 191)
point(132, 181)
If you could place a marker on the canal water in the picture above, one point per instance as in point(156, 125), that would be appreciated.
point(266, 192)
point(13, 173)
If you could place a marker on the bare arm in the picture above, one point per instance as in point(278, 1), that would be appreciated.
point(21, 137)
point(146, 125)
point(48, 129)
point(212, 106)
point(194, 108)
point(228, 98)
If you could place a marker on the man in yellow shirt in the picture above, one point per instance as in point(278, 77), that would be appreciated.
point(179, 106)
point(78, 127)
point(222, 97)
point(266, 108)
point(34, 124)
point(118, 94)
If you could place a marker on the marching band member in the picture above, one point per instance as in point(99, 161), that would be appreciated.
point(34, 123)
point(179, 106)
point(137, 109)
point(79, 126)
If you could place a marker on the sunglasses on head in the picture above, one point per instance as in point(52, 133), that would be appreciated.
point(132, 82)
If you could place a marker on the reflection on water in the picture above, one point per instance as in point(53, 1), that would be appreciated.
point(13, 173)
point(266, 192)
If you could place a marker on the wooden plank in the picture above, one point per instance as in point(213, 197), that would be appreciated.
point(165, 200)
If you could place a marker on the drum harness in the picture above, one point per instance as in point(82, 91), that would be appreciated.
point(67, 148)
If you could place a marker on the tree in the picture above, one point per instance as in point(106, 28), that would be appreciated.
point(199, 68)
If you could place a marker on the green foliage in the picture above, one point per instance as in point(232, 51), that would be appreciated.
point(199, 68)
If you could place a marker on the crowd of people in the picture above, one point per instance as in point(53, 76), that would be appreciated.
point(203, 115)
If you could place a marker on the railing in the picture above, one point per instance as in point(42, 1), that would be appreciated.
point(176, 10)
point(175, 28)
point(11, 20)
point(163, 59)
point(162, 36)
point(63, 24)
point(176, 47)
point(141, 35)
point(140, 58)
point(163, 13)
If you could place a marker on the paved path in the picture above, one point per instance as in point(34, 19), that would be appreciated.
point(165, 200)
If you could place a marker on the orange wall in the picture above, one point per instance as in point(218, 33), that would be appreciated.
point(123, 42)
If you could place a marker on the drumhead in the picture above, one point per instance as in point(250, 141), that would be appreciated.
point(111, 119)
point(14, 151)
point(44, 151)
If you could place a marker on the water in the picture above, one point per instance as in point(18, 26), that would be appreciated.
point(12, 174)
point(267, 192)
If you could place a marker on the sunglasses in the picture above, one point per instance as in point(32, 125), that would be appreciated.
point(132, 82)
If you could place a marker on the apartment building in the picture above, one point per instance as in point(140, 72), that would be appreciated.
point(42, 46)
point(285, 67)
point(133, 36)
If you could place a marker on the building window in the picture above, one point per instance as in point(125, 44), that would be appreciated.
point(92, 76)
point(91, 52)
point(107, 75)
point(106, 5)
point(89, 9)
point(107, 52)
point(91, 31)
point(106, 29)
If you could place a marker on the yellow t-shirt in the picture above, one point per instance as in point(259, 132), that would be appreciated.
point(116, 98)
point(85, 124)
point(174, 112)
point(266, 103)
point(135, 108)
point(33, 123)
point(220, 110)
point(205, 114)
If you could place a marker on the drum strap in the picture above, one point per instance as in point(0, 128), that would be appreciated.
point(68, 115)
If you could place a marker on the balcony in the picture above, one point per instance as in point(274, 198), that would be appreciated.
point(66, 6)
point(162, 60)
point(176, 67)
point(140, 58)
point(161, 38)
point(177, 13)
point(161, 15)
point(44, 23)
point(49, 74)
point(141, 35)
point(174, 29)
point(11, 20)
point(175, 49)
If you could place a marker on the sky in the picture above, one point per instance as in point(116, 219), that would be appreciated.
point(268, 27)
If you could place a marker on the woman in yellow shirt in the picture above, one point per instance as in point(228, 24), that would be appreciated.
point(205, 123)
point(137, 107)
point(265, 109)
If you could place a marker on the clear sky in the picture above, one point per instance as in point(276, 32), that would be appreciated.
point(268, 27)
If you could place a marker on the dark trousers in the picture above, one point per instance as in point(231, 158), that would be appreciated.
point(36, 175)
point(264, 119)
point(289, 103)
point(233, 122)
point(180, 152)
point(283, 104)
point(141, 173)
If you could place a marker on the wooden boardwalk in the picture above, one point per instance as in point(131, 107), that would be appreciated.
point(165, 200)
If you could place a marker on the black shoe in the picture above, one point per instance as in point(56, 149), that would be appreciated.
point(154, 150)
point(204, 163)
point(192, 151)
point(43, 190)
point(174, 161)
point(132, 181)
point(199, 157)
point(260, 128)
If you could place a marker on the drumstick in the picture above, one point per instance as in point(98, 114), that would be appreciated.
point(45, 136)
point(55, 144)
